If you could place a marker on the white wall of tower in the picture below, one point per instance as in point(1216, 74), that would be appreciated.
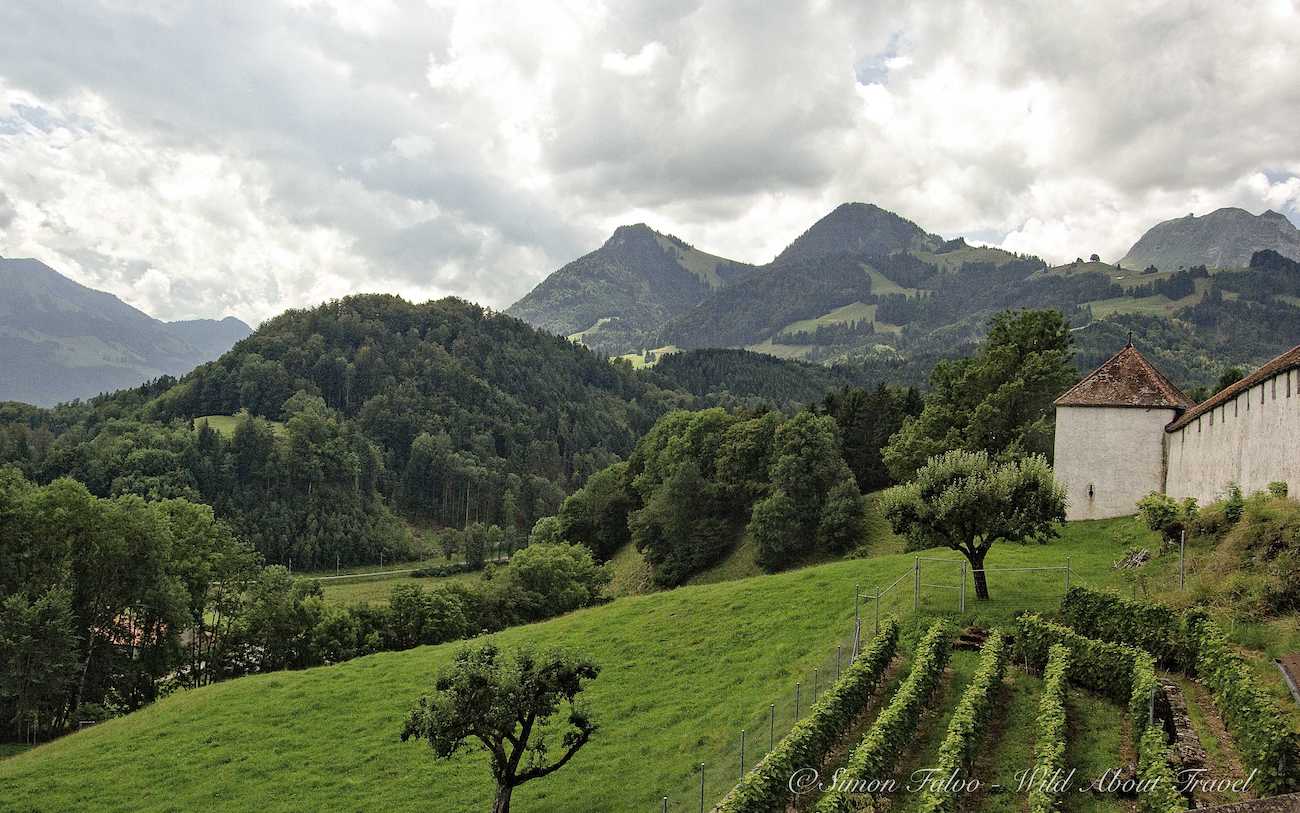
point(1117, 451)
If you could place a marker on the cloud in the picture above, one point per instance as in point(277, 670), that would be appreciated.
point(639, 64)
point(245, 157)
point(7, 211)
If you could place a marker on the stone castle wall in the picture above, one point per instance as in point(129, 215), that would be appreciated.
point(1252, 440)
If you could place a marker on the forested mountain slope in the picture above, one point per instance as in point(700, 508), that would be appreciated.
point(60, 340)
point(616, 295)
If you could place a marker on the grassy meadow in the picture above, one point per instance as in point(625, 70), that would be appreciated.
point(225, 424)
point(683, 671)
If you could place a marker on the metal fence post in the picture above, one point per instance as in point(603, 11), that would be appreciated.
point(877, 610)
point(1182, 561)
point(742, 754)
point(916, 583)
point(701, 787)
point(857, 618)
point(771, 727)
point(798, 688)
point(664, 809)
point(961, 594)
point(838, 651)
point(1067, 574)
point(816, 683)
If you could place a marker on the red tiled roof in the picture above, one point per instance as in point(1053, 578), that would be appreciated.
point(1287, 361)
point(1127, 379)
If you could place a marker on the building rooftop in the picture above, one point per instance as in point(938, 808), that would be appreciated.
point(1127, 379)
point(1287, 361)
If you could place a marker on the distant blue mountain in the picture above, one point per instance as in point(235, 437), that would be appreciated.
point(60, 340)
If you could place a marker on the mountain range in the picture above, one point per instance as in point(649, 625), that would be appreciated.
point(1225, 238)
point(866, 286)
point(623, 291)
point(60, 340)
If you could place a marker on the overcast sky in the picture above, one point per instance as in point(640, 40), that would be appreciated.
point(244, 156)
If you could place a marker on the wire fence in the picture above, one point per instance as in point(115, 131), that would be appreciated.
point(930, 585)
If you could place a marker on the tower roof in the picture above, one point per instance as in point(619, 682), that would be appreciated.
point(1127, 379)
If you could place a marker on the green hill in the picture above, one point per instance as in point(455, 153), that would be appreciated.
point(683, 672)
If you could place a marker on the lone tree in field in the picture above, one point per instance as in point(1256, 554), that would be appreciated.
point(962, 500)
point(505, 703)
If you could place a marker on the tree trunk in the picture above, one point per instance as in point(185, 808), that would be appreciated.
point(981, 579)
point(502, 803)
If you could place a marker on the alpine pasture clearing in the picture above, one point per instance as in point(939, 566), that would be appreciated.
point(852, 312)
point(682, 672)
point(224, 425)
point(376, 589)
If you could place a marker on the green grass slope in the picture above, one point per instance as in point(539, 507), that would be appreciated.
point(683, 672)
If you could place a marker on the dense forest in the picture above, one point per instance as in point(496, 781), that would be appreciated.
point(745, 378)
point(452, 413)
point(355, 413)
point(699, 480)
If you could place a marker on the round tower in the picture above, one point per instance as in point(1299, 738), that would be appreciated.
point(1109, 449)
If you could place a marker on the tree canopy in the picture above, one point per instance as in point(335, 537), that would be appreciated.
point(966, 501)
point(999, 401)
point(502, 703)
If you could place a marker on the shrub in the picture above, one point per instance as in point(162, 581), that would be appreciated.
point(1278, 488)
point(1166, 516)
point(1151, 627)
point(969, 723)
point(545, 580)
point(417, 616)
point(440, 570)
point(893, 731)
point(1233, 504)
point(766, 787)
point(1258, 726)
point(1049, 746)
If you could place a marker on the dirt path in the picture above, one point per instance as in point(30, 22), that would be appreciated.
point(1221, 759)
point(1008, 748)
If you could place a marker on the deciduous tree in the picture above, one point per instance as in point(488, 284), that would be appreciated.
point(965, 501)
point(503, 703)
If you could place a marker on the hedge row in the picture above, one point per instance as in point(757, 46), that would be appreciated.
point(1155, 628)
point(1142, 696)
point(439, 569)
point(968, 725)
point(766, 787)
point(1103, 667)
point(1259, 729)
point(1126, 675)
point(1157, 788)
point(875, 758)
point(1049, 746)
point(1194, 644)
